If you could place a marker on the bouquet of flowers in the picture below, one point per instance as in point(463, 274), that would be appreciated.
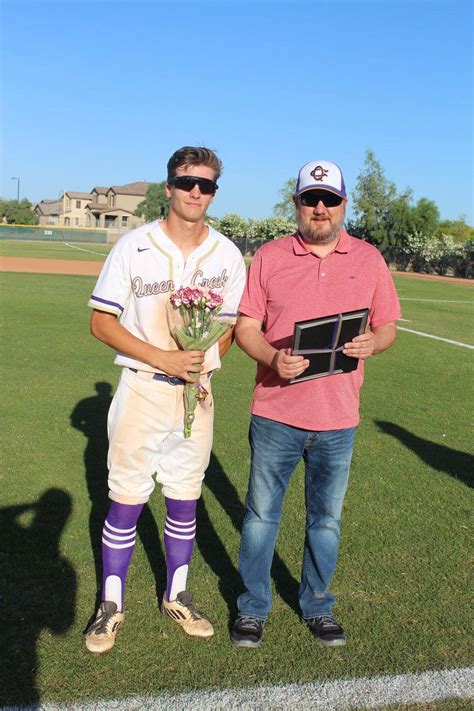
point(196, 324)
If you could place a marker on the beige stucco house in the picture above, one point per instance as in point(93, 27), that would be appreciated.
point(107, 208)
point(115, 207)
point(75, 208)
point(48, 212)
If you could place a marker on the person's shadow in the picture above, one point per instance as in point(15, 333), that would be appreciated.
point(89, 416)
point(215, 553)
point(457, 464)
point(37, 589)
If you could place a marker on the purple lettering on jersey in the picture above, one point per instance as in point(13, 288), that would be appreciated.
point(215, 282)
point(158, 287)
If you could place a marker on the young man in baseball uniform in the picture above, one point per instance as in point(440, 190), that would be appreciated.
point(145, 421)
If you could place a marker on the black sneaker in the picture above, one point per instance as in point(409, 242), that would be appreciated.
point(247, 632)
point(327, 630)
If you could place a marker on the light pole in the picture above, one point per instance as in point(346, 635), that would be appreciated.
point(17, 188)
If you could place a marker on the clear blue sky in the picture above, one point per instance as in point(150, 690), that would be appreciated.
point(102, 92)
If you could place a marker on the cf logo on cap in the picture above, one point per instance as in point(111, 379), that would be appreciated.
point(319, 172)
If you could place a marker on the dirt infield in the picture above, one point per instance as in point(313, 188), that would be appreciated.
point(64, 266)
point(49, 266)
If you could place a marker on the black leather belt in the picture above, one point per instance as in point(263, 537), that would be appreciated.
point(165, 378)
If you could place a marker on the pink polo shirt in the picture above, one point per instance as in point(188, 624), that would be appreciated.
point(288, 283)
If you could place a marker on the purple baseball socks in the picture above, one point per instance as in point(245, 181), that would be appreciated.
point(118, 544)
point(178, 603)
point(180, 532)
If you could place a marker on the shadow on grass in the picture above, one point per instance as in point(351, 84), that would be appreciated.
point(215, 553)
point(459, 465)
point(38, 589)
point(90, 417)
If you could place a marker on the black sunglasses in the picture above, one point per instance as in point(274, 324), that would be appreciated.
point(312, 197)
point(188, 182)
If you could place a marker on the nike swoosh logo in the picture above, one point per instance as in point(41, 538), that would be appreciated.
point(143, 249)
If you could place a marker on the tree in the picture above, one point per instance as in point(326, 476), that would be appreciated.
point(286, 208)
point(400, 219)
point(371, 202)
point(275, 227)
point(426, 217)
point(458, 229)
point(155, 203)
point(232, 226)
point(18, 212)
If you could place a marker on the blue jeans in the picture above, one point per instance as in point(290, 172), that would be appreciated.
point(276, 450)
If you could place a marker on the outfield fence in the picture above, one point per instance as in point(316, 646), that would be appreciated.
point(248, 247)
point(45, 233)
point(54, 233)
point(459, 262)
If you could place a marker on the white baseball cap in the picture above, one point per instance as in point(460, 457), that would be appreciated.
point(322, 175)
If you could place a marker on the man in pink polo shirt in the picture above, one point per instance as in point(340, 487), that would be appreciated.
point(318, 271)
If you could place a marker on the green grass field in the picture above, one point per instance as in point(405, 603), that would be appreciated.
point(54, 250)
point(402, 578)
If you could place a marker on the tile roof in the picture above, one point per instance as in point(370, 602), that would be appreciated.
point(96, 207)
point(139, 188)
point(82, 196)
point(50, 207)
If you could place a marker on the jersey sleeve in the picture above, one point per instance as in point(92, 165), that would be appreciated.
point(385, 304)
point(113, 286)
point(254, 299)
point(234, 287)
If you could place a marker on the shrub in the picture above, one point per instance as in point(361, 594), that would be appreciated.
point(433, 255)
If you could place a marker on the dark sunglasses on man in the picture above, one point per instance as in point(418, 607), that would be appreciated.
point(189, 182)
point(311, 198)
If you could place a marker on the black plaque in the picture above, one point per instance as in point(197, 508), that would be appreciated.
point(321, 341)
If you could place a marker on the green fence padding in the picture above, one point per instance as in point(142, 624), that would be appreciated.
point(53, 234)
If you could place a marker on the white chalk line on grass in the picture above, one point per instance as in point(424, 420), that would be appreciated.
point(436, 338)
point(366, 693)
point(81, 249)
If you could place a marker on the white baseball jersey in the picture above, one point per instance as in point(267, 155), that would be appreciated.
point(145, 267)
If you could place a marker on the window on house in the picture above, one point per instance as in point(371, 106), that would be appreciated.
point(68, 202)
point(78, 204)
point(67, 221)
point(111, 201)
point(124, 220)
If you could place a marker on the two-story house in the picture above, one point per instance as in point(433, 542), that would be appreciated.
point(49, 212)
point(115, 208)
point(109, 208)
point(75, 208)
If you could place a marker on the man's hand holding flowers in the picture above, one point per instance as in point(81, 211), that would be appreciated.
point(196, 325)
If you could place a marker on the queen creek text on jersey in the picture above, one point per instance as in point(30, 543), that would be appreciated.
point(145, 266)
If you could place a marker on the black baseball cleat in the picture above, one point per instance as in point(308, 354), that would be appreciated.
point(327, 630)
point(247, 632)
